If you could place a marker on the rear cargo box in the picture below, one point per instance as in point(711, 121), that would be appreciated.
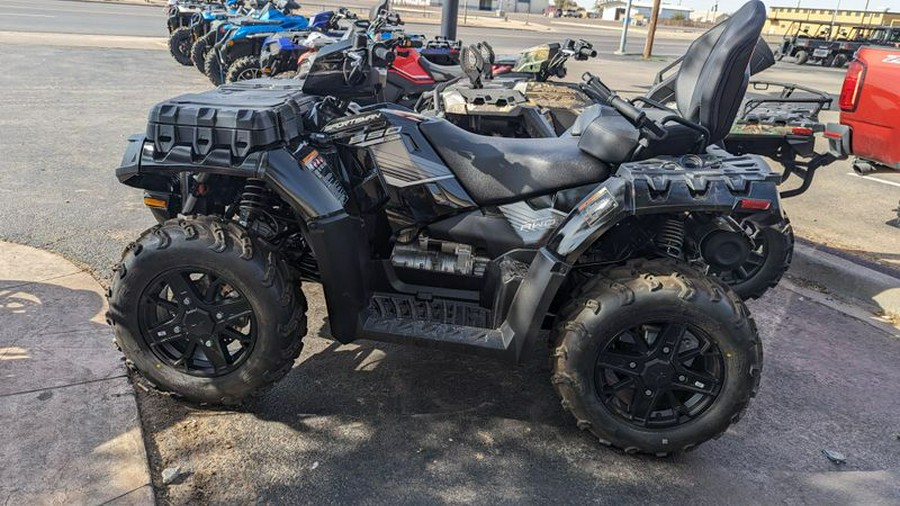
point(228, 123)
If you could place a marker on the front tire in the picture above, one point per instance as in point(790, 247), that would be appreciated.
point(653, 357)
point(213, 67)
point(203, 310)
point(180, 42)
point(243, 69)
point(200, 49)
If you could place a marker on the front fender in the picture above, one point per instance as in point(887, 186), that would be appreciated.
point(301, 179)
point(336, 238)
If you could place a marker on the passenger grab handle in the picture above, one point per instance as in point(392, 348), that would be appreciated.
point(634, 115)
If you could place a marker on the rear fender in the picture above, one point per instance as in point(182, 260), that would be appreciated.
point(640, 188)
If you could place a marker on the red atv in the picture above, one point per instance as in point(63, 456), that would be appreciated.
point(870, 111)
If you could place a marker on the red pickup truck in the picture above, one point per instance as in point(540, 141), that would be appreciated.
point(870, 111)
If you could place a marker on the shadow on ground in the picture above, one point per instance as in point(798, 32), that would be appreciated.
point(379, 423)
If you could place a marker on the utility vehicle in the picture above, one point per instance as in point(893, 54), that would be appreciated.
point(421, 232)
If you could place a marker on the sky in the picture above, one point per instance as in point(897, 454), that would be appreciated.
point(731, 5)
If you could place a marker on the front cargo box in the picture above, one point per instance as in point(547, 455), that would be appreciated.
point(229, 122)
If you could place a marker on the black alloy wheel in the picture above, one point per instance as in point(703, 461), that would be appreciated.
point(197, 322)
point(760, 264)
point(659, 375)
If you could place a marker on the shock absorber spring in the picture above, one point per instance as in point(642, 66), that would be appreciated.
point(670, 238)
point(254, 198)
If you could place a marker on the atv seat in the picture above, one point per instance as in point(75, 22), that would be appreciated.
point(440, 72)
point(708, 90)
point(497, 170)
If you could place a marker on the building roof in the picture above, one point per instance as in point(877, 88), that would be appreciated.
point(621, 3)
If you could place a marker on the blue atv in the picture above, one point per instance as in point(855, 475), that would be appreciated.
point(205, 24)
point(281, 53)
point(243, 38)
point(237, 53)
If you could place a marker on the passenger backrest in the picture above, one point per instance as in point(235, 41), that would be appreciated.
point(712, 79)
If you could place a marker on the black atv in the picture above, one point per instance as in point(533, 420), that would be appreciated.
point(423, 233)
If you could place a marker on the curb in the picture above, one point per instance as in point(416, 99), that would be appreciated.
point(845, 278)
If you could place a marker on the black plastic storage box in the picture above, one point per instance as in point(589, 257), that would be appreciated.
point(229, 122)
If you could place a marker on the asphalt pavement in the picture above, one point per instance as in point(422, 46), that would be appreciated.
point(377, 423)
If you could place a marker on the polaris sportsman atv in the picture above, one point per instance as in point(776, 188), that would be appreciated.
point(423, 233)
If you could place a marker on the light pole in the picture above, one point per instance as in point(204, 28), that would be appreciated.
point(624, 39)
point(449, 18)
point(833, 19)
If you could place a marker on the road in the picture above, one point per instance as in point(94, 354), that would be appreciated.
point(375, 423)
point(67, 16)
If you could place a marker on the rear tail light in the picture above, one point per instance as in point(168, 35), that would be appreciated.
point(802, 131)
point(754, 205)
point(852, 85)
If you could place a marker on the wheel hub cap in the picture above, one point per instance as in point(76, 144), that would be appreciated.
point(198, 322)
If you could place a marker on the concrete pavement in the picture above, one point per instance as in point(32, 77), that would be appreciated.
point(68, 417)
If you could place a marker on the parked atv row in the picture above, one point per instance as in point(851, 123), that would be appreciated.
point(232, 41)
point(622, 231)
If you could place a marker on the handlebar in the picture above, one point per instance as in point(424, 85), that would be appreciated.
point(382, 53)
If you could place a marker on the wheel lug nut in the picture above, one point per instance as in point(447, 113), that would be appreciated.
point(648, 393)
point(632, 365)
point(681, 378)
point(208, 344)
point(219, 316)
point(666, 349)
point(177, 330)
point(187, 301)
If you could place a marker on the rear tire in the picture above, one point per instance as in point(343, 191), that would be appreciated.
point(776, 245)
point(180, 42)
point(200, 49)
point(801, 57)
point(217, 338)
point(243, 69)
point(604, 385)
point(839, 61)
point(213, 68)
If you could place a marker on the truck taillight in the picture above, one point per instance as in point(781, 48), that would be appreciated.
point(852, 84)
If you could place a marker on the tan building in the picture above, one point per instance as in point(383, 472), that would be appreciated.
point(781, 18)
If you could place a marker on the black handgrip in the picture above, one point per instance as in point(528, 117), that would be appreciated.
point(596, 86)
point(634, 115)
point(382, 53)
